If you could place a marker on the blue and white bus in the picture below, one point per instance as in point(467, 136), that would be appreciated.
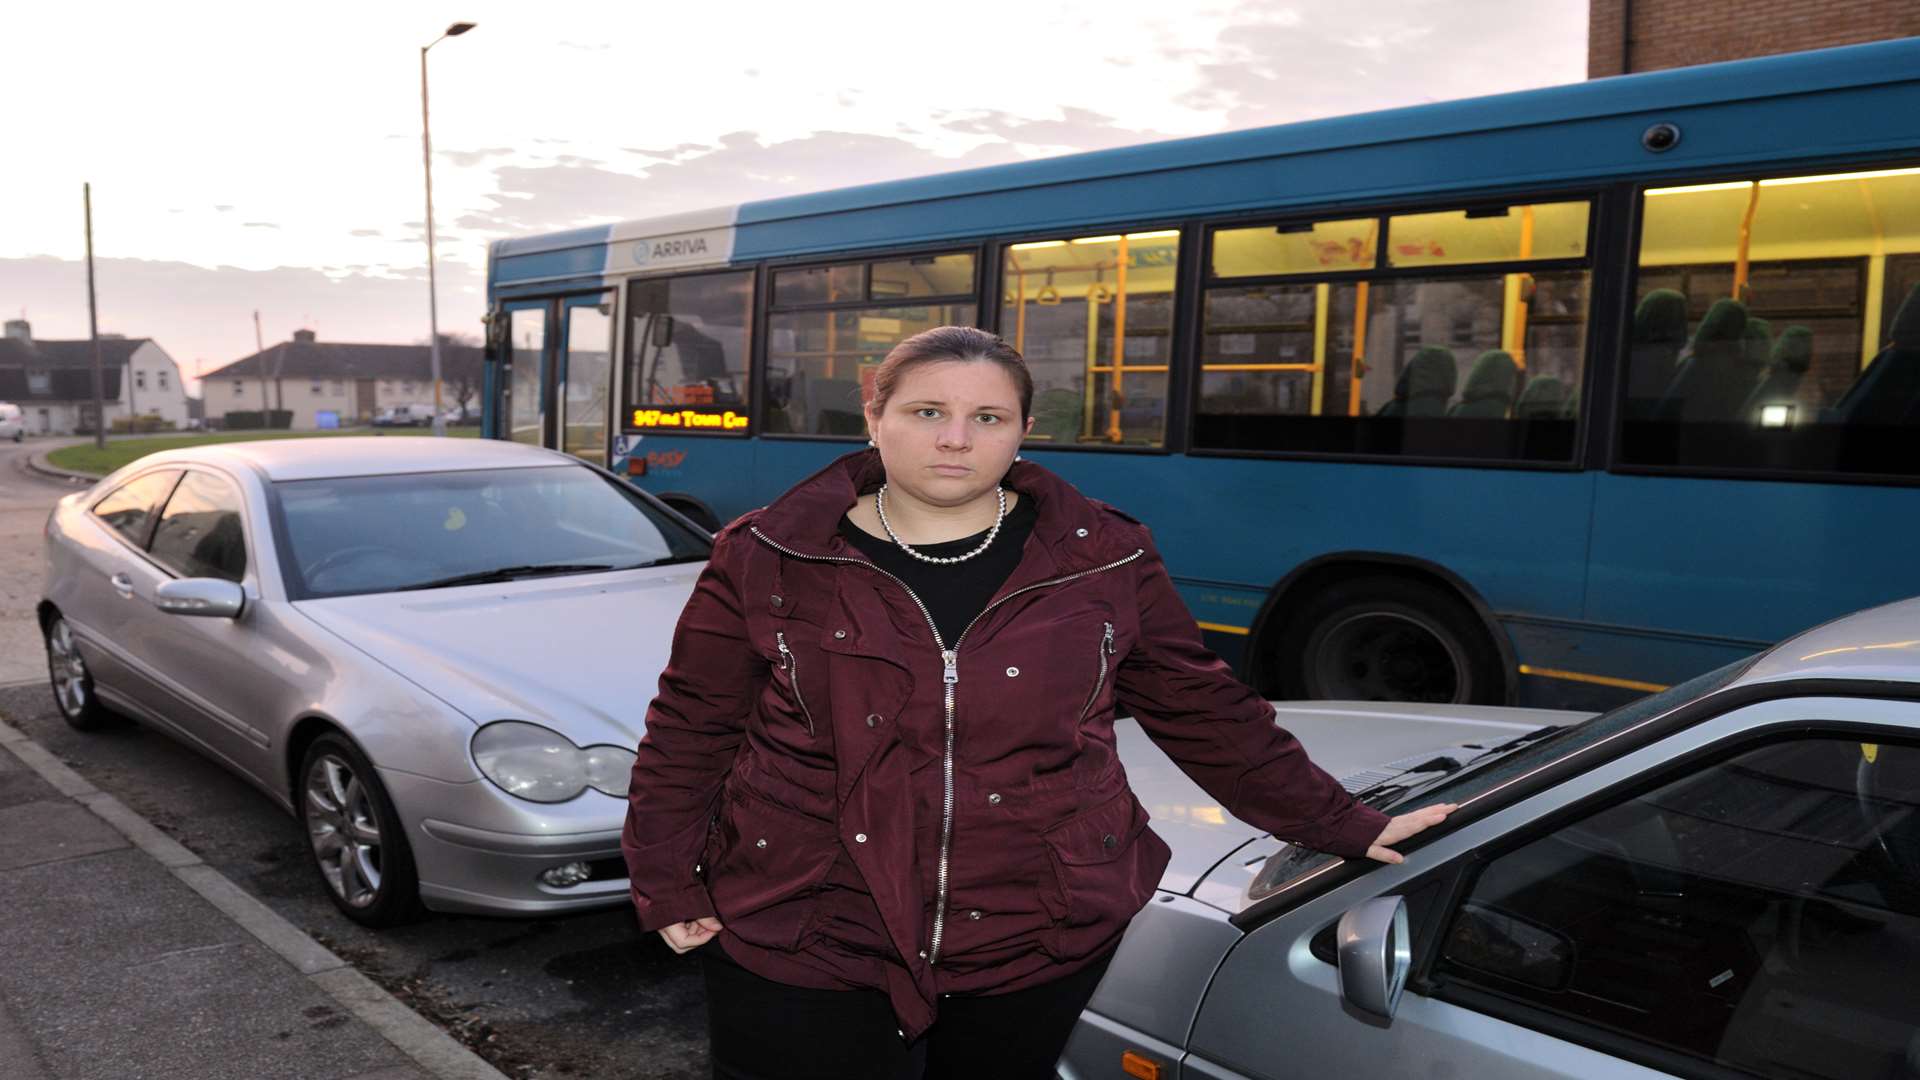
point(1554, 397)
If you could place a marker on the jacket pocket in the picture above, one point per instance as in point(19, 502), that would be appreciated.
point(1106, 863)
point(790, 664)
point(768, 865)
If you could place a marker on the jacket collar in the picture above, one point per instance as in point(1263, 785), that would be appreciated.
point(1073, 530)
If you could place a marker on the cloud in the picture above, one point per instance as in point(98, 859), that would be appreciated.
point(258, 225)
point(1073, 130)
point(224, 209)
point(1275, 63)
point(207, 314)
point(467, 158)
point(364, 232)
point(533, 198)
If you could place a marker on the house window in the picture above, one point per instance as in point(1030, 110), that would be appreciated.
point(315, 388)
point(339, 387)
point(39, 383)
point(139, 380)
point(238, 386)
point(407, 387)
point(161, 377)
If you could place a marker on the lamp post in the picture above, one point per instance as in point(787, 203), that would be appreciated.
point(433, 291)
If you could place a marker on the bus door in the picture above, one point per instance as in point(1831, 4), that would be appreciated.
point(555, 376)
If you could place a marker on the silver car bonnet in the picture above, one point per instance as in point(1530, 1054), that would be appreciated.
point(581, 654)
point(1344, 738)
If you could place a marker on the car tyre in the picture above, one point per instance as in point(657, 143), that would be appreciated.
point(72, 682)
point(1385, 638)
point(355, 837)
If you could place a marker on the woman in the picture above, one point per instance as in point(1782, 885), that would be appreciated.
point(881, 766)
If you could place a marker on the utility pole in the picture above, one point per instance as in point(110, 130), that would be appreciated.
point(93, 331)
point(260, 365)
point(433, 289)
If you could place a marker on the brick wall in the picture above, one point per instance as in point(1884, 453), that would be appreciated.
point(1677, 33)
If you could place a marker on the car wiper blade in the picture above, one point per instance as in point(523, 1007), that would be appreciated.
point(669, 560)
point(508, 573)
point(1518, 741)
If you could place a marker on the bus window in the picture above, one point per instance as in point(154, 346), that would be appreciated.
point(1318, 247)
point(527, 343)
point(687, 348)
point(589, 380)
point(1094, 318)
point(1495, 234)
point(1445, 365)
point(820, 363)
point(1777, 325)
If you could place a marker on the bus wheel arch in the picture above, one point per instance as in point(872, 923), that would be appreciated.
point(692, 508)
point(1340, 605)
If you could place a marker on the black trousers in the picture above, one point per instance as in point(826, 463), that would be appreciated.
point(759, 1029)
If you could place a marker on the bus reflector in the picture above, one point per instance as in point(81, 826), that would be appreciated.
point(1139, 1065)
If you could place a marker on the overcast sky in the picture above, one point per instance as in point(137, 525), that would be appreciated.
point(266, 156)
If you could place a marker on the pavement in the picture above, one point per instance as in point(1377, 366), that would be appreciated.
point(128, 956)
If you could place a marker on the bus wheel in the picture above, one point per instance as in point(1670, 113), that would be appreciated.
point(1388, 639)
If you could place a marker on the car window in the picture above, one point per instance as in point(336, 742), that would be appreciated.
point(200, 533)
point(1292, 861)
point(129, 509)
point(1761, 913)
point(368, 534)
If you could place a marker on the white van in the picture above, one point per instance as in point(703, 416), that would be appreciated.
point(13, 422)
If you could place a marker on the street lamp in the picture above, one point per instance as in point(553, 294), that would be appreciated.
point(433, 290)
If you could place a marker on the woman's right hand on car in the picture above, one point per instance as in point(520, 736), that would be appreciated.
point(687, 936)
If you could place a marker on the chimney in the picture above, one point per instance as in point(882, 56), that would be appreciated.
point(303, 337)
point(19, 330)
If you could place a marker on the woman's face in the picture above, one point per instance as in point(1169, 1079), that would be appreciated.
point(950, 430)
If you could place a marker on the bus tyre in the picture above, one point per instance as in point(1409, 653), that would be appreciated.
point(1388, 639)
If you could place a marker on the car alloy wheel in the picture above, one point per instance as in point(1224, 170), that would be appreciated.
point(344, 830)
point(72, 682)
point(356, 837)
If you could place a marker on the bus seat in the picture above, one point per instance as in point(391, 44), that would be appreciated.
point(1659, 333)
point(1424, 384)
point(1545, 398)
point(1759, 343)
point(833, 406)
point(1713, 378)
point(1888, 392)
point(1490, 386)
point(1791, 357)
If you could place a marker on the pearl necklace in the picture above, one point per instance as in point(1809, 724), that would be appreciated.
point(880, 508)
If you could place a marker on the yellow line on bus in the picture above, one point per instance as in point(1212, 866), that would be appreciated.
point(1224, 629)
point(1597, 680)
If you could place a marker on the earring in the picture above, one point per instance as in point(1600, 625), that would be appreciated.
point(1017, 457)
point(870, 442)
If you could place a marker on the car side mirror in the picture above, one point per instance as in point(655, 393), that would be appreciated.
point(211, 597)
point(1375, 953)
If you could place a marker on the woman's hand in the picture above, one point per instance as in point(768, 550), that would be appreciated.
point(687, 936)
point(1406, 825)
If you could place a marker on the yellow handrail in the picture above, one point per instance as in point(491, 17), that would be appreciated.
point(1361, 292)
point(1746, 241)
point(1117, 396)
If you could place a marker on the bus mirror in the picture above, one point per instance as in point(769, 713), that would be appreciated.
point(663, 331)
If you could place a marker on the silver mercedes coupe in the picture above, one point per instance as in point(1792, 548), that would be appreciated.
point(436, 653)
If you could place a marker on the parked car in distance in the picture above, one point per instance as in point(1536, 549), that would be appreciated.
point(13, 422)
point(434, 653)
point(1721, 879)
point(414, 415)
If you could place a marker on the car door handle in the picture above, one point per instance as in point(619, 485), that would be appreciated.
point(122, 584)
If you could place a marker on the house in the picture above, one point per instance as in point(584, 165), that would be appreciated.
point(350, 382)
point(52, 381)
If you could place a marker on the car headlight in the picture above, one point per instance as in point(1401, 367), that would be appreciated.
point(541, 765)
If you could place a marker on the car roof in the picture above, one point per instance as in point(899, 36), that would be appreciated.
point(1880, 644)
point(362, 455)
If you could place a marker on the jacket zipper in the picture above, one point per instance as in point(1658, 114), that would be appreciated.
point(1106, 650)
point(950, 676)
point(792, 667)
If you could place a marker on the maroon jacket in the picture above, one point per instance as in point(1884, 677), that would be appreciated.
point(861, 811)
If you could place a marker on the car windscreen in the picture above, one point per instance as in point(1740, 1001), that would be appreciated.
point(1480, 775)
point(368, 534)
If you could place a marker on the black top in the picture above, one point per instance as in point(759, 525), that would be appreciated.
point(954, 594)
